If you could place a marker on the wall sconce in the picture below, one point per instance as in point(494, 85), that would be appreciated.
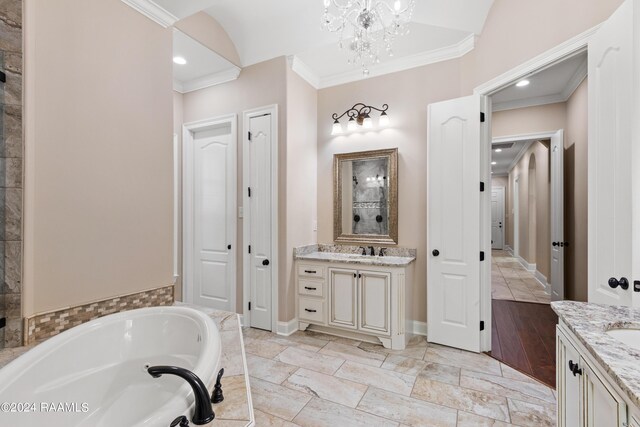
point(359, 115)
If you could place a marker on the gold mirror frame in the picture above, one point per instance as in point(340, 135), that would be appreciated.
point(338, 235)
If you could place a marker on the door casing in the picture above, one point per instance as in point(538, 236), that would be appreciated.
point(567, 49)
point(246, 259)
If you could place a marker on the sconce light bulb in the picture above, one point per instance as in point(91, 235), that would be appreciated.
point(336, 129)
point(384, 120)
point(352, 125)
point(367, 123)
point(397, 5)
point(327, 3)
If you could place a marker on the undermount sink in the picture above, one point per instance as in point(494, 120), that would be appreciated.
point(630, 337)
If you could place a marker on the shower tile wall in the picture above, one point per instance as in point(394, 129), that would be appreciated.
point(370, 197)
point(11, 172)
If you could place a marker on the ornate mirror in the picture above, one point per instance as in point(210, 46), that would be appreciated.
point(365, 197)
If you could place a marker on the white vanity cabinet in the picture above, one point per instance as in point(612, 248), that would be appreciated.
point(357, 301)
point(587, 397)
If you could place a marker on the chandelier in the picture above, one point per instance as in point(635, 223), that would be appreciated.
point(367, 27)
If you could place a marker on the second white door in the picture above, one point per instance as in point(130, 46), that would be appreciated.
point(214, 226)
point(497, 218)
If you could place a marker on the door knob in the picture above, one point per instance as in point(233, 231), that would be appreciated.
point(265, 262)
point(435, 252)
point(613, 282)
point(624, 283)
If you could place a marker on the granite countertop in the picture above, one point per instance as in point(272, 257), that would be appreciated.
point(589, 322)
point(395, 257)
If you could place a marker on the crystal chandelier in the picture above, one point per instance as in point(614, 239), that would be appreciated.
point(367, 27)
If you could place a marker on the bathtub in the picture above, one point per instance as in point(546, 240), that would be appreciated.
point(95, 374)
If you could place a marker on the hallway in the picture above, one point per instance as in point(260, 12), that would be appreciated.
point(511, 281)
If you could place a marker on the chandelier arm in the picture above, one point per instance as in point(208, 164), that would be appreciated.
point(358, 109)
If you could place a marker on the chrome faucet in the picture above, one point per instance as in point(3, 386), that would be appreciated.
point(372, 250)
point(203, 413)
point(364, 251)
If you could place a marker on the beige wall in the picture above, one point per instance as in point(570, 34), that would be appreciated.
point(408, 93)
point(302, 164)
point(209, 32)
point(516, 31)
point(258, 85)
point(533, 224)
point(575, 195)
point(542, 118)
point(98, 114)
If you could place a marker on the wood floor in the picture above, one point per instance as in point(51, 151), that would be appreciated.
point(523, 337)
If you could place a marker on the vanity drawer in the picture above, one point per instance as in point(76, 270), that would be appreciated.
point(311, 310)
point(310, 271)
point(312, 288)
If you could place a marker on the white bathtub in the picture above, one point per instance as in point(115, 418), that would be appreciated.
point(98, 370)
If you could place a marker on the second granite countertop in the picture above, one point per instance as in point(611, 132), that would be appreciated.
point(590, 323)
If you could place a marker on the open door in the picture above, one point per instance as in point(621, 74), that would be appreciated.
point(453, 223)
point(613, 157)
point(556, 148)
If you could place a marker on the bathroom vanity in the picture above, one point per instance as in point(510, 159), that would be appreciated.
point(339, 291)
point(597, 365)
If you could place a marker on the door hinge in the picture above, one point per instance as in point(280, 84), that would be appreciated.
point(249, 135)
point(3, 322)
point(482, 325)
point(481, 186)
point(249, 191)
point(3, 77)
point(249, 248)
point(249, 305)
point(481, 255)
point(481, 117)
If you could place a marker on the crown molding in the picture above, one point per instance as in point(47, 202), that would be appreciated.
point(152, 11)
point(303, 70)
point(457, 50)
point(207, 81)
point(577, 78)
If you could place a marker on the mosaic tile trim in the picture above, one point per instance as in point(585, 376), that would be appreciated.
point(45, 325)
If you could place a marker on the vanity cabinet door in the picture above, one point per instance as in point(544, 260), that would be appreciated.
point(568, 384)
point(602, 407)
point(343, 298)
point(375, 302)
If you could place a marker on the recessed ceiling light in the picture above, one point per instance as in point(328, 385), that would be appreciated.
point(179, 60)
point(498, 150)
point(523, 83)
point(494, 163)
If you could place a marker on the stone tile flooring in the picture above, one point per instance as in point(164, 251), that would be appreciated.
point(511, 281)
point(312, 380)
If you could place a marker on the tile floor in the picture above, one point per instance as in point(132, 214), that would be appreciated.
point(310, 379)
point(511, 281)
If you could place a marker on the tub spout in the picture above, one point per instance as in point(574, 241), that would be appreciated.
point(203, 413)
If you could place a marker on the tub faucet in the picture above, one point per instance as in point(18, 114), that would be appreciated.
point(364, 251)
point(372, 251)
point(203, 413)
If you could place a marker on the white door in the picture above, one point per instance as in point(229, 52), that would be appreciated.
point(613, 158)
point(557, 216)
point(375, 302)
point(214, 225)
point(453, 225)
point(516, 216)
point(343, 298)
point(497, 218)
point(259, 190)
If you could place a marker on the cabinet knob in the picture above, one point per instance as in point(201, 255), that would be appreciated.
point(265, 262)
point(435, 252)
point(623, 283)
point(573, 367)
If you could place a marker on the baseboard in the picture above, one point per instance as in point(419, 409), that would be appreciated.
point(525, 264)
point(418, 328)
point(508, 249)
point(543, 281)
point(287, 328)
point(241, 318)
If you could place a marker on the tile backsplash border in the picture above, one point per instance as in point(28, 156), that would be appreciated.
point(45, 325)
